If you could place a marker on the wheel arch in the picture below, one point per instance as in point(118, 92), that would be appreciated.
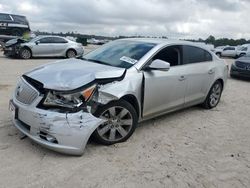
point(26, 47)
point(133, 101)
point(221, 81)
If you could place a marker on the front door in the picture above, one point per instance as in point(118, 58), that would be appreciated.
point(43, 47)
point(164, 91)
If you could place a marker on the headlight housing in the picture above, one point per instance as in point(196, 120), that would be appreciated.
point(71, 101)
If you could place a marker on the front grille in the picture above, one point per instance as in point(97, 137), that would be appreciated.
point(242, 65)
point(25, 93)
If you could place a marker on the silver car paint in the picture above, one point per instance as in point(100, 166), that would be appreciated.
point(164, 91)
point(52, 49)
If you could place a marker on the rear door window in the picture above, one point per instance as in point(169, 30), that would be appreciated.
point(58, 40)
point(193, 54)
point(45, 40)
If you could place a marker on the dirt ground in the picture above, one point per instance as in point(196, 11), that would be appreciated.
point(190, 148)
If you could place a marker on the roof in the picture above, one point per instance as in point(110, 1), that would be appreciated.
point(162, 41)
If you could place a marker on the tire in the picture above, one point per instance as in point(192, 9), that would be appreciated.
point(218, 54)
point(71, 53)
point(214, 95)
point(114, 131)
point(25, 53)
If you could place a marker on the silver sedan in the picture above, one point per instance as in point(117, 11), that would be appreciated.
point(50, 46)
point(107, 92)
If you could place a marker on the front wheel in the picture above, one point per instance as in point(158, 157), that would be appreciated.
point(214, 95)
point(121, 122)
point(25, 53)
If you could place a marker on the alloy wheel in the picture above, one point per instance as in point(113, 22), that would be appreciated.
point(118, 125)
point(26, 54)
point(71, 54)
point(215, 95)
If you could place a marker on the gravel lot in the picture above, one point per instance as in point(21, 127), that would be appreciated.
point(189, 148)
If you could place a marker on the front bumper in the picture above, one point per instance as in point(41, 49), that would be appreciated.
point(9, 51)
point(61, 132)
point(238, 72)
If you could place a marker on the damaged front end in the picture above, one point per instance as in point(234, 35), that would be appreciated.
point(13, 46)
point(59, 120)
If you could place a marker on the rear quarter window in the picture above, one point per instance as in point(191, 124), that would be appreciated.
point(193, 54)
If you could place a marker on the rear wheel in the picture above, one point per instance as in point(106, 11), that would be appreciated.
point(121, 122)
point(214, 95)
point(71, 54)
point(25, 53)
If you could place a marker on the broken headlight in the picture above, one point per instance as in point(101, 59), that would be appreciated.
point(74, 100)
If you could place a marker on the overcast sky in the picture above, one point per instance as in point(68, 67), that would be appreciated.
point(172, 18)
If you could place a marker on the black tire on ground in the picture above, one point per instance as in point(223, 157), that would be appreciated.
point(71, 53)
point(25, 53)
point(216, 90)
point(130, 116)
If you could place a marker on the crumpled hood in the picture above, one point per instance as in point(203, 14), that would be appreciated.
point(14, 41)
point(72, 74)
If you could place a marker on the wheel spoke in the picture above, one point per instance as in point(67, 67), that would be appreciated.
point(122, 113)
point(104, 130)
point(112, 134)
point(126, 122)
point(112, 112)
point(122, 131)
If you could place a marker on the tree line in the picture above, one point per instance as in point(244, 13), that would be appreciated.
point(210, 40)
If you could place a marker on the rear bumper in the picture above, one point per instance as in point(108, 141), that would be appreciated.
point(65, 133)
point(79, 52)
point(237, 72)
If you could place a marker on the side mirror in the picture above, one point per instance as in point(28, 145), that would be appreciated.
point(159, 65)
point(37, 42)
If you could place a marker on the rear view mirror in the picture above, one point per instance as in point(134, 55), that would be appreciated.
point(37, 42)
point(159, 65)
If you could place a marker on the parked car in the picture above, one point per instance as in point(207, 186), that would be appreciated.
point(218, 50)
point(107, 92)
point(243, 50)
point(43, 46)
point(14, 25)
point(229, 51)
point(241, 67)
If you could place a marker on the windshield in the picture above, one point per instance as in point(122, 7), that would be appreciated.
point(120, 53)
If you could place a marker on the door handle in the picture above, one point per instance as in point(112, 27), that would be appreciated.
point(211, 71)
point(182, 78)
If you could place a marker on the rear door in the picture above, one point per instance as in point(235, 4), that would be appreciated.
point(199, 69)
point(60, 46)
